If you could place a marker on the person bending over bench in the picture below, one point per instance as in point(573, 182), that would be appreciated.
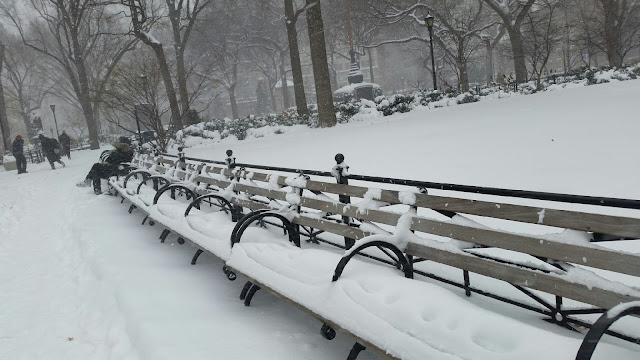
point(111, 163)
point(51, 149)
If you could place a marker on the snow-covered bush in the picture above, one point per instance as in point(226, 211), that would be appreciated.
point(347, 110)
point(215, 130)
point(396, 103)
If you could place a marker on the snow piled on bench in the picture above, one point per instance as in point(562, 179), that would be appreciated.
point(411, 319)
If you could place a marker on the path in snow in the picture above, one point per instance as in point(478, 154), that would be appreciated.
point(51, 302)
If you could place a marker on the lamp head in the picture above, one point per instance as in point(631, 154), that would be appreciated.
point(428, 20)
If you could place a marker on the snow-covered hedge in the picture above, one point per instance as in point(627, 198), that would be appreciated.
point(402, 103)
point(216, 130)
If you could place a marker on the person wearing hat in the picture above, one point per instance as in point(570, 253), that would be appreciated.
point(51, 149)
point(18, 153)
point(111, 163)
point(65, 141)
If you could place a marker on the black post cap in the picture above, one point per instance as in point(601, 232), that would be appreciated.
point(339, 158)
point(229, 152)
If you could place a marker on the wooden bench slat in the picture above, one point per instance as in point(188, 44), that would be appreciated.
point(553, 284)
point(589, 256)
point(605, 224)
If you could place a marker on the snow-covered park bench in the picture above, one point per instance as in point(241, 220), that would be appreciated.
point(394, 289)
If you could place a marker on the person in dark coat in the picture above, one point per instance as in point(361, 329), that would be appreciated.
point(65, 141)
point(51, 149)
point(18, 153)
point(111, 163)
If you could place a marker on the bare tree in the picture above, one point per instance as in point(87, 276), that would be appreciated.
point(25, 80)
point(137, 93)
point(141, 24)
point(226, 28)
point(324, 95)
point(512, 13)
point(182, 16)
point(76, 123)
point(4, 120)
point(291, 20)
point(542, 32)
point(457, 30)
point(611, 27)
point(68, 32)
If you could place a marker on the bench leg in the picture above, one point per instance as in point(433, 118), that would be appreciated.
point(164, 235)
point(245, 289)
point(121, 201)
point(144, 220)
point(252, 291)
point(355, 351)
point(465, 275)
point(195, 257)
point(180, 241)
point(131, 208)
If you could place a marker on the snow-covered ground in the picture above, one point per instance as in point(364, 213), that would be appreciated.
point(81, 279)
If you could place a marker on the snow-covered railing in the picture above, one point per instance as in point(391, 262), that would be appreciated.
point(404, 226)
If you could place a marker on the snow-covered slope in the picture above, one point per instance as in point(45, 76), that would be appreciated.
point(81, 279)
point(580, 140)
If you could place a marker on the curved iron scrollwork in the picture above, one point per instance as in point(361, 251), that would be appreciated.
point(173, 187)
point(145, 174)
point(401, 260)
point(260, 215)
point(601, 326)
point(223, 203)
point(157, 181)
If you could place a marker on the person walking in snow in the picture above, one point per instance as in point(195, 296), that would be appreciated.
point(51, 149)
point(111, 163)
point(18, 153)
point(65, 141)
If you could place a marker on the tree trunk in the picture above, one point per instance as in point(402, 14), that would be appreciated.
point(285, 85)
point(272, 97)
point(612, 32)
point(324, 96)
point(294, 54)
point(182, 80)
point(489, 64)
point(175, 17)
point(83, 92)
point(519, 63)
point(333, 73)
point(176, 117)
point(27, 123)
point(4, 120)
point(371, 77)
point(512, 22)
point(462, 69)
point(234, 104)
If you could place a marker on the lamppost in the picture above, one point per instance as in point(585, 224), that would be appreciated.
point(428, 20)
point(142, 77)
point(53, 109)
point(135, 112)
